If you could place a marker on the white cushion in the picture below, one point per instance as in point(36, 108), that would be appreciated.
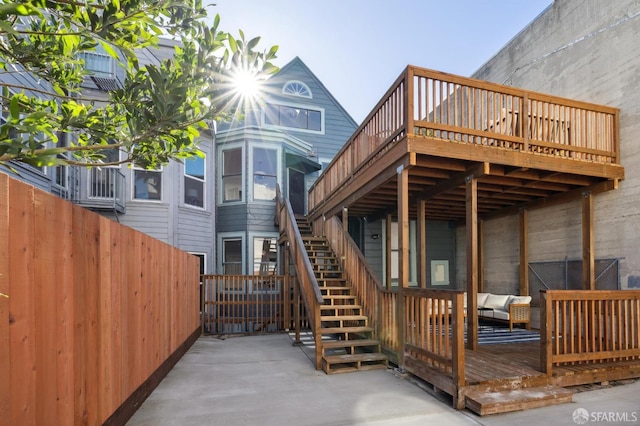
point(486, 314)
point(496, 301)
point(518, 299)
point(500, 314)
point(482, 298)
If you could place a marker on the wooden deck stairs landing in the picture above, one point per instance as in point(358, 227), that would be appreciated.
point(485, 402)
point(347, 339)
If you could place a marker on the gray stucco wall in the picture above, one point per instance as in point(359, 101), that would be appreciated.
point(587, 50)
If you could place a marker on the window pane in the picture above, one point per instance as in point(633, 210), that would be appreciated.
point(272, 114)
point(193, 192)
point(232, 162)
point(232, 256)
point(232, 188)
point(264, 256)
point(314, 120)
point(148, 185)
point(264, 187)
point(194, 167)
point(265, 161)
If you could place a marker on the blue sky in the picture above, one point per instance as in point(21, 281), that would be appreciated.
point(357, 48)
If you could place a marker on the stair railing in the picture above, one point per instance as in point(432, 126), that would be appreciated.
point(306, 279)
point(378, 303)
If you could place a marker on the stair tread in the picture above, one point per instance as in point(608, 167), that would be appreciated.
point(334, 344)
point(484, 402)
point(343, 317)
point(338, 330)
point(368, 356)
point(330, 307)
point(338, 296)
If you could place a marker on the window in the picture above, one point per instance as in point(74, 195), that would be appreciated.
point(395, 253)
point(265, 256)
point(232, 175)
point(103, 180)
point(147, 184)
point(232, 256)
point(293, 117)
point(98, 62)
point(194, 178)
point(297, 88)
point(265, 171)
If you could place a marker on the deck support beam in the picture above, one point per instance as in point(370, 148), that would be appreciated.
point(524, 253)
point(387, 255)
point(422, 244)
point(472, 262)
point(481, 256)
point(588, 255)
point(403, 255)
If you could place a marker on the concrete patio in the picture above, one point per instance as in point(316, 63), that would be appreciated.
point(264, 380)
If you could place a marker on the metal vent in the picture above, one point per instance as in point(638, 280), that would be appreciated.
point(106, 84)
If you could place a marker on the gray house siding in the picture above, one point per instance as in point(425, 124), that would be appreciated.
point(249, 218)
point(587, 50)
point(441, 245)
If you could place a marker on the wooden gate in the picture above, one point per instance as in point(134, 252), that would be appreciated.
point(246, 304)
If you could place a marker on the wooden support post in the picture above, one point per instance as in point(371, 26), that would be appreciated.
point(588, 254)
point(422, 244)
point(545, 333)
point(524, 253)
point(403, 256)
point(481, 256)
point(345, 229)
point(387, 255)
point(472, 262)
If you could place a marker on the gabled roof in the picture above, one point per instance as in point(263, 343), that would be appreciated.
point(300, 62)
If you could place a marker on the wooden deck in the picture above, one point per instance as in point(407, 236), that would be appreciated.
point(500, 365)
point(521, 146)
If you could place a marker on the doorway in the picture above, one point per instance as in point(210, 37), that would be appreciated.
point(296, 191)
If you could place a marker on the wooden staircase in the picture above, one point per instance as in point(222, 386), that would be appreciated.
point(347, 339)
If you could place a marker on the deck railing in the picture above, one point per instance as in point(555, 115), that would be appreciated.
point(306, 279)
point(436, 105)
point(434, 337)
point(588, 326)
point(245, 304)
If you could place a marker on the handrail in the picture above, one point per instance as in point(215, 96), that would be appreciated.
point(428, 104)
point(364, 281)
point(311, 294)
point(588, 326)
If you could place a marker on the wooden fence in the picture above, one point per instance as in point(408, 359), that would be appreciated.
point(89, 310)
point(246, 304)
point(588, 326)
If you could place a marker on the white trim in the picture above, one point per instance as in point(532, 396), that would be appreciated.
point(222, 236)
point(278, 149)
point(263, 135)
point(133, 184)
point(294, 105)
point(220, 166)
point(305, 86)
point(186, 176)
point(250, 249)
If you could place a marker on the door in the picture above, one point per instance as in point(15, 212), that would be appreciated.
point(296, 191)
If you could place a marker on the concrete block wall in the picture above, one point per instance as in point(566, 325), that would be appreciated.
point(587, 50)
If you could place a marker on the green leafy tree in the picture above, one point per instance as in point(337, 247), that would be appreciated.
point(157, 112)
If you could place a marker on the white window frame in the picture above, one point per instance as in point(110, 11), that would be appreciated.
point(274, 147)
point(220, 172)
point(134, 168)
point(412, 251)
point(291, 83)
point(294, 105)
point(222, 236)
point(186, 176)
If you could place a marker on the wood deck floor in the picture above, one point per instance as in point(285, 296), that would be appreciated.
point(505, 364)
